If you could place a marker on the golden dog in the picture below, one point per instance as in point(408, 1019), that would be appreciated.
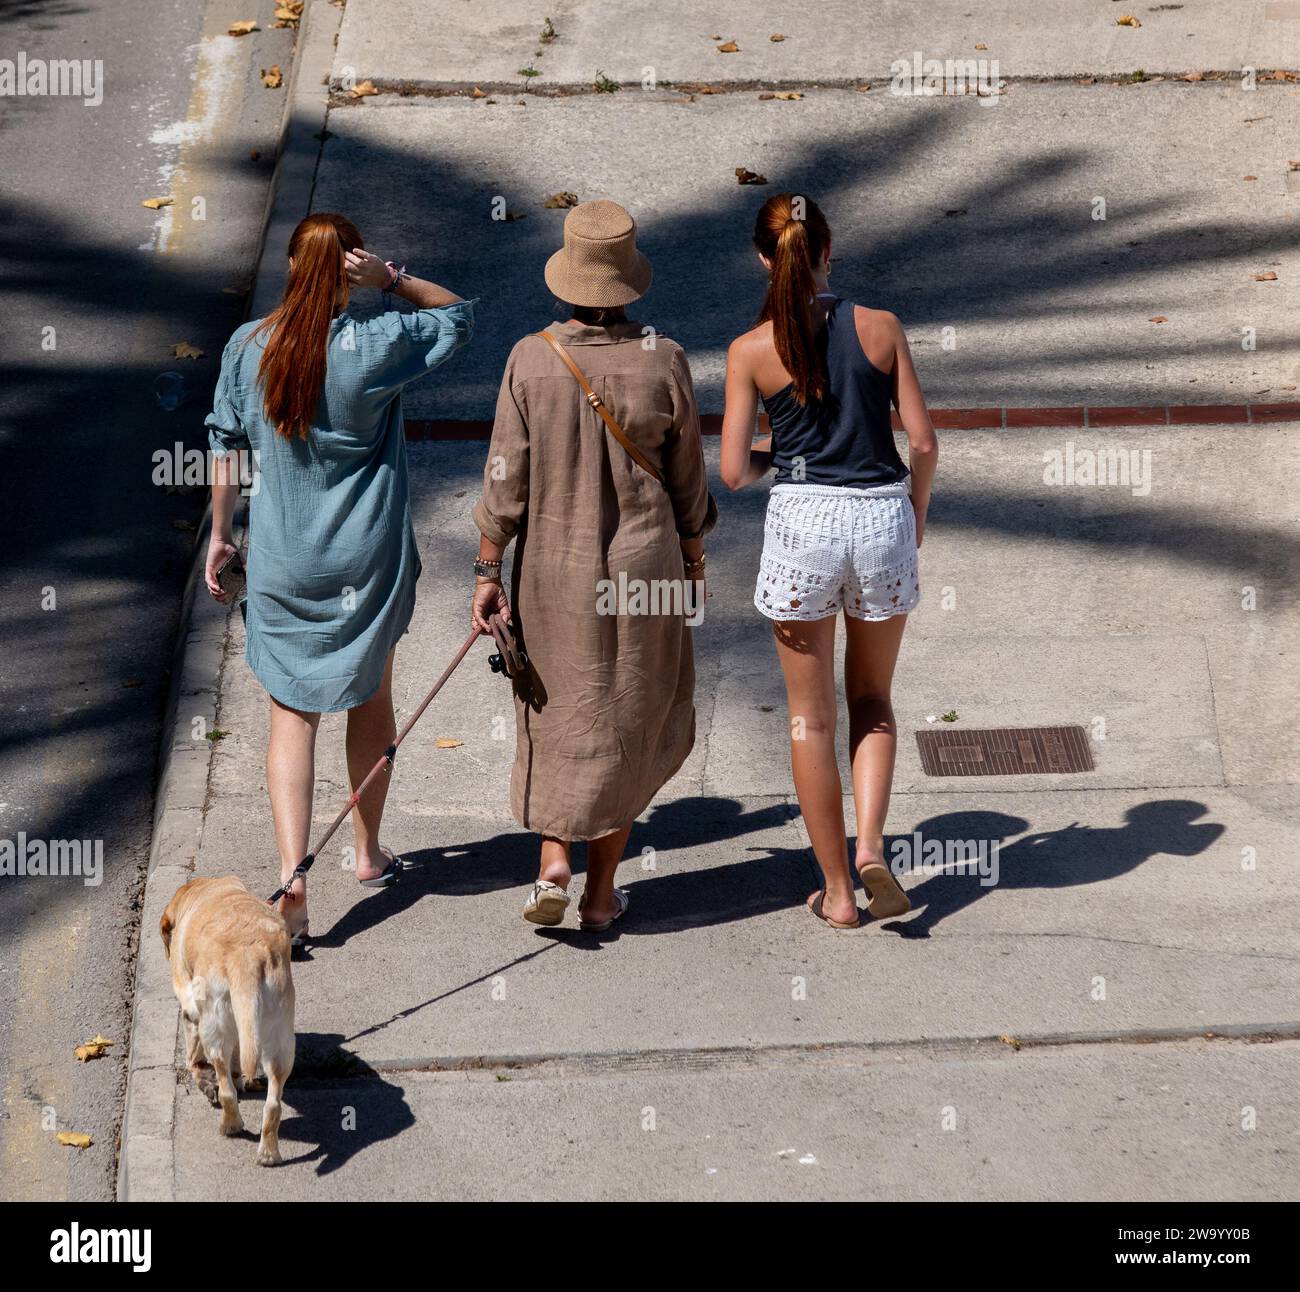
point(229, 954)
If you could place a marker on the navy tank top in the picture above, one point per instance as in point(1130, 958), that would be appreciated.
point(846, 438)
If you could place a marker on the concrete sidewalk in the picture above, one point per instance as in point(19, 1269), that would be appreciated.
point(450, 46)
point(720, 1043)
point(1122, 907)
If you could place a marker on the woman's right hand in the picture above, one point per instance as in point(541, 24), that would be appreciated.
point(920, 521)
point(489, 599)
point(365, 269)
point(219, 552)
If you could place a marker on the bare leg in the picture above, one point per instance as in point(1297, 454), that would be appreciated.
point(555, 865)
point(290, 780)
point(807, 655)
point(371, 729)
point(873, 736)
point(603, 855)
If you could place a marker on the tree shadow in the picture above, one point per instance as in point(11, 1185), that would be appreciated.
point(1062, 858)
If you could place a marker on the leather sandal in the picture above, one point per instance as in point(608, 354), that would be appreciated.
point(884, 896)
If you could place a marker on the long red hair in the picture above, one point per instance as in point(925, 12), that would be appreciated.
point(792, 233)
point(292, 370)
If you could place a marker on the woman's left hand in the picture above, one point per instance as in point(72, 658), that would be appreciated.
point(365, 269)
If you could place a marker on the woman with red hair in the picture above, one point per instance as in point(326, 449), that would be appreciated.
point(315, 394)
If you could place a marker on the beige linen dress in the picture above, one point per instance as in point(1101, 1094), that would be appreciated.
point(606, 714)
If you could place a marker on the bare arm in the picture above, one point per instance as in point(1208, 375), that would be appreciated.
point(225, 498)
point(365, 269)
point(743, 462)
point(923, 445)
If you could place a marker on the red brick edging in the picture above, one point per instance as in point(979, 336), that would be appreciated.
point(973, 419)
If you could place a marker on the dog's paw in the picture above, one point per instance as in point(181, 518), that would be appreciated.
point(267, 1156)
point(248, 1084)
point(205, 1082)
point(232, 1128)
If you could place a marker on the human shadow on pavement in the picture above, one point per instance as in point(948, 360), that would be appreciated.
point(509, 860)
point(1045, 859)
point(341, 1105)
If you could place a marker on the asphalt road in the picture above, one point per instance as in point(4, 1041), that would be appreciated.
point(93, 552)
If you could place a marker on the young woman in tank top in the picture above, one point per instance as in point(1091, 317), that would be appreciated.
point(841, 531)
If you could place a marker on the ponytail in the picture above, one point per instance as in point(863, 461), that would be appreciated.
point(793, 235)
point(292, 369)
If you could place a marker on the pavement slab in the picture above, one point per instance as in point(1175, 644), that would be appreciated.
point(986, 1123)
point(450, 45)
point(976, 225)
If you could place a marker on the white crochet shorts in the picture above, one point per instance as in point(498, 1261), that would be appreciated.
point(827, 547)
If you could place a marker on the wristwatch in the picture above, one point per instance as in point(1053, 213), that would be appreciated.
point(488, 570)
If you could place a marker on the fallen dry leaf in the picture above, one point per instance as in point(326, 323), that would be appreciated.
point(1127, 20)
point(153, 203)
point(559, 201)
point(184, 350)
point(446, 742)
point(1268, 276)
point(272, 77)
point(1248, 178)
point(1088, 80)
point(788, 94)
point(1191, 76)
point(1012, 1041)
point(476, 93)
point(95, 1048)
point(744, 176)
point(360, 91)
point(243, 27)
point(981, 45)
point(1159, 318)
point(1293, 165)
point(729, 48)
point(864, 87)
point(516, 215)
point(776, 37)
point(288, 11)
point(74, 1139)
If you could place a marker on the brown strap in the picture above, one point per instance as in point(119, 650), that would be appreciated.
point(594, 400)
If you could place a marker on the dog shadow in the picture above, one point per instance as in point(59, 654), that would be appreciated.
point(341, 1105)
point(1062, 858)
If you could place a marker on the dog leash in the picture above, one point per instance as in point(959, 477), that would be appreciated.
point(509, 660)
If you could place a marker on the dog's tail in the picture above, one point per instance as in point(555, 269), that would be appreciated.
point(246, 1005)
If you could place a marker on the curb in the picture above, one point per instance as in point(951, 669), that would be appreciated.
point(972, 419)
point(146, 1158)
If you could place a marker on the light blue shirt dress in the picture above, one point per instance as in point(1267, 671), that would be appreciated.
point(332, 561)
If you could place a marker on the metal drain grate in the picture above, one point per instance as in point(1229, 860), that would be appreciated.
point(1006, 751)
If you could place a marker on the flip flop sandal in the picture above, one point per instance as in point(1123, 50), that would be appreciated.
point(546, 904)
point(299, 939)
point(816, 908)
point(884, 897)
point(386, 877)
point(621, 897)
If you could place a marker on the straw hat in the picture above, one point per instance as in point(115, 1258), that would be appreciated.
point(599, 265)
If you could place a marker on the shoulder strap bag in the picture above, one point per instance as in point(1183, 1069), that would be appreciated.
point(595, 401)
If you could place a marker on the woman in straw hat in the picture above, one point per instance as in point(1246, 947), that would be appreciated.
point(595, 469)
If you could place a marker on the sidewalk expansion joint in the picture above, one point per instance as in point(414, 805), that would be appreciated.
point(741, 1058)
point(397, 88)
